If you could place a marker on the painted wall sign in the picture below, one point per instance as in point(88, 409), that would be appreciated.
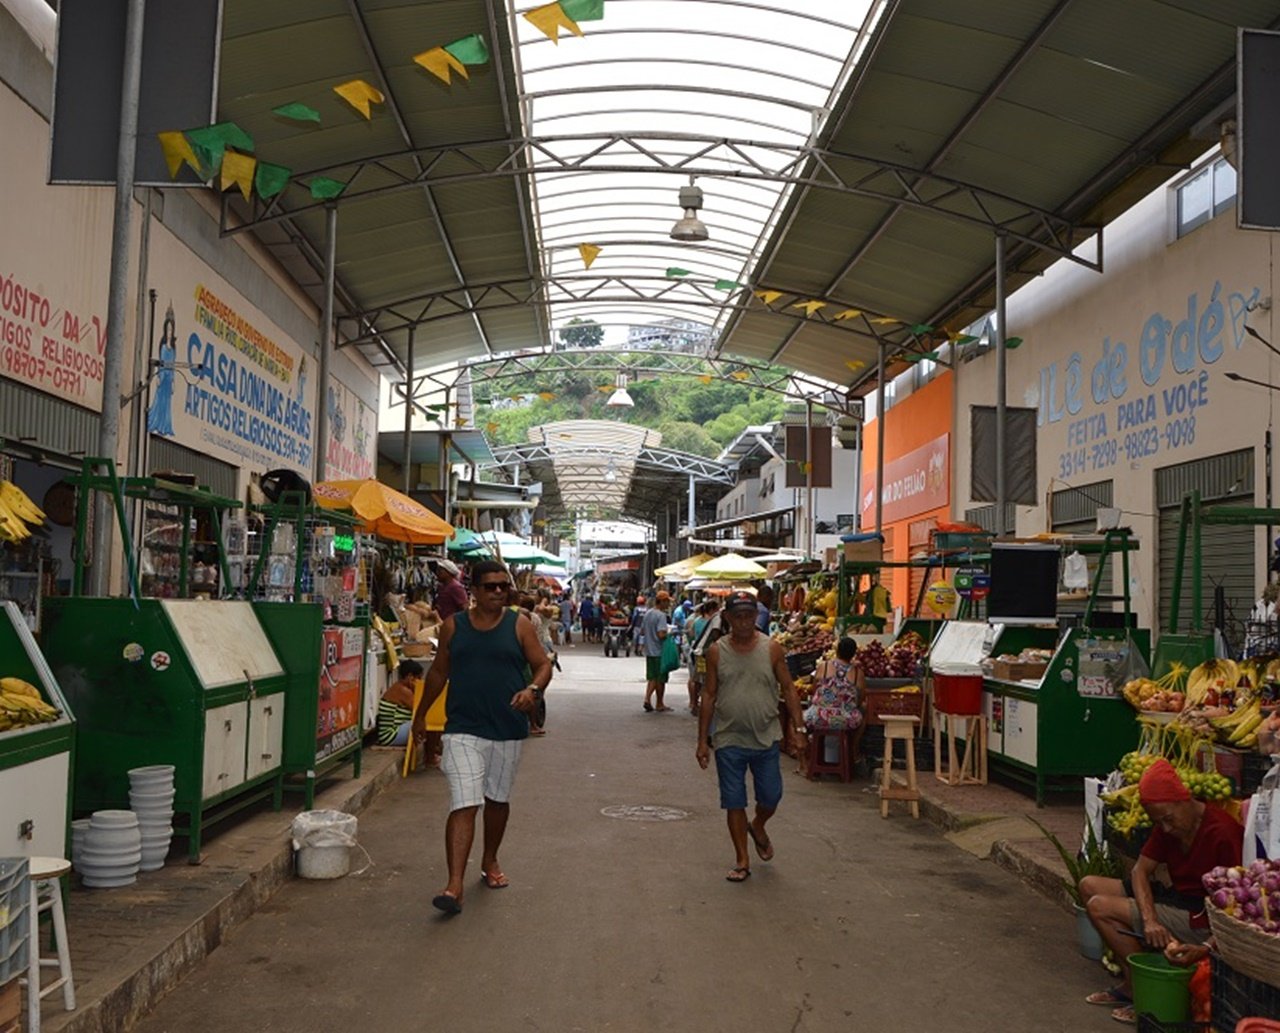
point(913, 483)
point(352, 435)
point(1130, 403)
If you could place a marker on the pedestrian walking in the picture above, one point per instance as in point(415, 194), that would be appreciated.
point(451, 597)
point(745, 671)
point(486, 655)
point(653, 630)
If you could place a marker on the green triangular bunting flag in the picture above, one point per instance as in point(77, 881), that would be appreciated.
point(298, 112)
point(677, 271)
point(270, 179)
point(228, 133)
point(922, 328)
point(727, 285)
point(583, 10)
point(470, 50)
point(1012, 342)
point(324, 189)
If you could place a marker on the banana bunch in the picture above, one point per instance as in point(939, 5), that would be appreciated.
point(1241, 727)
point(21, 704)
point(16, 511)
point(1217, 675)
point(1125, 811)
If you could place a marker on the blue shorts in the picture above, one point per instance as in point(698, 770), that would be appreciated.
point(732, 763)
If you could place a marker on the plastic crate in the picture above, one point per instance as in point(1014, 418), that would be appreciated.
point(15, 898)
point(1236, 996)
point(893, 701)
point(1253, 768)
point(800, 664)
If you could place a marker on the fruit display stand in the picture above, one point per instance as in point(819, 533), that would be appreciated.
point(307, 582)
point(188, 682)
point(36, 759)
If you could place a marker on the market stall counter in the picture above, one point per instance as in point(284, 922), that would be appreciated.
point(192, 683)
point(36, 746)
point(1049, 723)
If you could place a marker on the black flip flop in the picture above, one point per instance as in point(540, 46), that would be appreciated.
point(447, 903)
point(761, 847)
point(743, 874)
point(648, 708)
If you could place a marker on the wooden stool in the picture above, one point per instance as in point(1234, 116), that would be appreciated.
point(815, 762)
point(899, 728)
point(972, 769)
point(46, 878)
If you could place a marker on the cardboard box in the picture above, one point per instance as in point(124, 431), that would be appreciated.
point(870, 551)
point(10, 1005)
point(1010, 670)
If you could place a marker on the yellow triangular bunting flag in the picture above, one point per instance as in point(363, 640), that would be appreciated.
point(706, 378)
point(588, 253)
point(177, 152)
point(360, 95)
point(855, 364)
point(849, 313)
point(440, 63)
point(810, 307)
point(768, 297)
point(237, 170)
point(885, 320)
point(549, 19)
point(739, 374)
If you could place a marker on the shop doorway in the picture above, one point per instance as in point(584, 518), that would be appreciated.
point(1228, 551)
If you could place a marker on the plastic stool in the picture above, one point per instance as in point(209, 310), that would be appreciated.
point(899, 728)
point(816, 764)
point(46, 878)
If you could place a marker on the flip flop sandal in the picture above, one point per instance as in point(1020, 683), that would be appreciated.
point(764, 846)
point(1125, 1014)
point(447, 903)
point(495, 880)
point(1110, 998)
point(738, 875)
point(648, 708)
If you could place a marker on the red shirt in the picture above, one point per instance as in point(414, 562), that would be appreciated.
point(451, 598)
point(1219, 841)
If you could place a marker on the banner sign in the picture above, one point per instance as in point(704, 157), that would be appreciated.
point(913, 483)
point(353, 435)
point(338, 721)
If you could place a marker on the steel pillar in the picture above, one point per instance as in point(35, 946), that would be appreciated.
point(1001, 384)
point(326, 339)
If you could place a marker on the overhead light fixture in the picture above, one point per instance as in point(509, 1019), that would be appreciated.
point(690, 228)
point(620, 399)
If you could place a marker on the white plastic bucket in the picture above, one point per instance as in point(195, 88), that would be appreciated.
point(323, 841)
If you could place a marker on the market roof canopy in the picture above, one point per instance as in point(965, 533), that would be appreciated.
point(385, 511)
point(731, 567)
point(855, 169)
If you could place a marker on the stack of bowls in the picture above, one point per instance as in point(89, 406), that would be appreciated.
point(112, 850)
point(151, 795)
point(79, 828)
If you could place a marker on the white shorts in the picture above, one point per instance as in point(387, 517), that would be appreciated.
point(479, 769)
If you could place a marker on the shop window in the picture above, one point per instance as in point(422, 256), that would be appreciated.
point(1207, 192)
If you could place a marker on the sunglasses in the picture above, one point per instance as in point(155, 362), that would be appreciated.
point(495, 586)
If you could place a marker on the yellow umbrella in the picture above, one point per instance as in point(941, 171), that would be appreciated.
point(731, 567)
point(385, 511)
point(682, 570)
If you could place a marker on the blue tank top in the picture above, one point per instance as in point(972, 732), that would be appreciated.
point(486, 668)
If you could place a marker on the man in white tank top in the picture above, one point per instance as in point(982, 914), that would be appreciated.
point(745, 670)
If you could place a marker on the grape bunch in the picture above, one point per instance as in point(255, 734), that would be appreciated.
point(1133, 764)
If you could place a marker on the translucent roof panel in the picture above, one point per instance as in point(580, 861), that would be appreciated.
point(645, 86)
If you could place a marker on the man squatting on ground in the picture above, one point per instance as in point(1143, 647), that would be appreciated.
point(744, 672)
point(486, 655)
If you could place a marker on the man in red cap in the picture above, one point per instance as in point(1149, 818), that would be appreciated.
point(1189, 837)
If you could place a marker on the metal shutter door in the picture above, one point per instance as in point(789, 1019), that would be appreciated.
point(917, 540)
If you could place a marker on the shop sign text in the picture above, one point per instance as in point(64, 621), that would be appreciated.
point(1146, 398)
point(48, 346)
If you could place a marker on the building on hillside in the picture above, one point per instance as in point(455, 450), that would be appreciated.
point(682, 335)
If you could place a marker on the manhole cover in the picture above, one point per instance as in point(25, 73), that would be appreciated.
point(644, 812)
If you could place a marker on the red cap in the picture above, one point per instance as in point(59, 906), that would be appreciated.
point(740, 601)
point(1160, 784)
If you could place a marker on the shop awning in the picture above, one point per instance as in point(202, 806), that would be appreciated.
point(683, 569)
point(385, 511)
point(731, 567)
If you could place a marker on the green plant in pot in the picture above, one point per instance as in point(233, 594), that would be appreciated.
point(1093, 858)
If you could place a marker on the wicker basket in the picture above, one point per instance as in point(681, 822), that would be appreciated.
point(1245, 948)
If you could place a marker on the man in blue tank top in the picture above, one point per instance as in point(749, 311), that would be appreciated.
point(745, 671)
point(486, 654)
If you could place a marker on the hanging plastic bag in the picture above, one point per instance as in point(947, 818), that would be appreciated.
point(1075, 572)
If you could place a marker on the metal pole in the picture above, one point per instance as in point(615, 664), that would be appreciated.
point(141, 365)
point(693, 514)
point(408, 415)
point(118, 289)
point(857, 483)
point(446, 445)
point(326, 339)
point(1001, 371)
point(880, 441)
point(808, 480)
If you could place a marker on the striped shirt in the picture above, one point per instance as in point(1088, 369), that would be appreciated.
point(390, 717)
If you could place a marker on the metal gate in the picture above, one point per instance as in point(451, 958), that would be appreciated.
point(170, 457)
point(1075, 511)
point(1228, 552)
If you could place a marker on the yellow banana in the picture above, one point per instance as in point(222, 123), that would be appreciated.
point(1247, 726)
point(18, 687)
point(20, 503)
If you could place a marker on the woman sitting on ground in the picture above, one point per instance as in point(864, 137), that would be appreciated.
point(395, 709)
point(839, 688)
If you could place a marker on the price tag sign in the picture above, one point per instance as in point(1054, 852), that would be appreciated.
point(972, 583)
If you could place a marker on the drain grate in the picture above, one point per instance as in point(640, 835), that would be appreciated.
point(644, 812)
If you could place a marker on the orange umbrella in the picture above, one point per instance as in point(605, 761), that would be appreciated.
point(385, 511)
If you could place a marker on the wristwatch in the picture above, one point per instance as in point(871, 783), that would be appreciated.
point(537, 692)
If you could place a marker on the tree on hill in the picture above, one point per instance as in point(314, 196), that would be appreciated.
point(581, 333)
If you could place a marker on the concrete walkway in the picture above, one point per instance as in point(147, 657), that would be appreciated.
point(614, 923)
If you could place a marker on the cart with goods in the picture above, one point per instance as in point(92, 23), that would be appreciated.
point(617, 634)
point(37, 739)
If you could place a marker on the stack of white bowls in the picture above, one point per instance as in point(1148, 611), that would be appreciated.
point(151, 795)
point(112, 850)
point(79, 828)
